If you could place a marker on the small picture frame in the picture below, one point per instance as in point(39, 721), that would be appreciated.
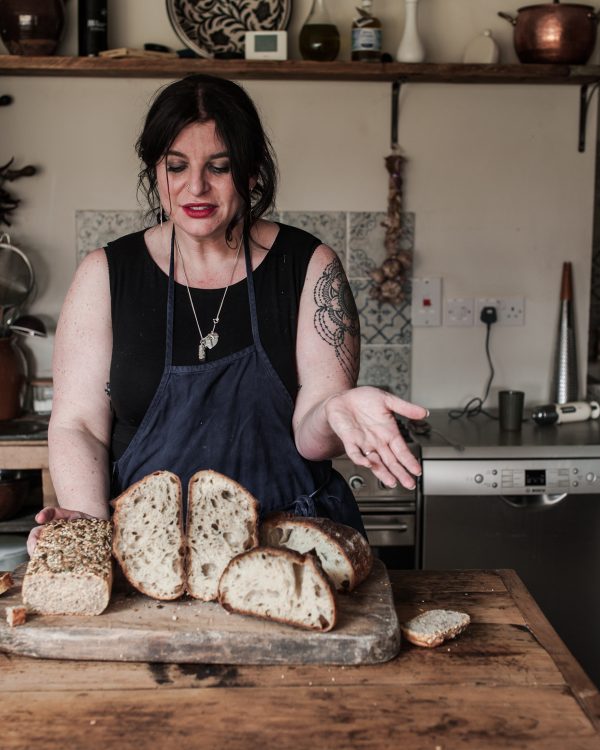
point(266, 45)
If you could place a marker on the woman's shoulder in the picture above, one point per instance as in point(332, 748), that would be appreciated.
point(291, 238)
point(131, 242)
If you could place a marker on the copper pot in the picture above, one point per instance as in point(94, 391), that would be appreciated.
point(560, 33)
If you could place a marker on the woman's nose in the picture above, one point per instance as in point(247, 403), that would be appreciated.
point(197, 185)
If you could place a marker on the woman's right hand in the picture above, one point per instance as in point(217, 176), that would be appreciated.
point(51, 514)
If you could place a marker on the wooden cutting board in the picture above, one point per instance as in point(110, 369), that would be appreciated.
point(137, 628)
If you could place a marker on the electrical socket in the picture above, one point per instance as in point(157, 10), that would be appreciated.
point(510, 310)
point(426, 308)
point(458, 311)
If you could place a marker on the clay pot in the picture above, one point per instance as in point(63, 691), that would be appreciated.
point(32, 27)
point(12, 378)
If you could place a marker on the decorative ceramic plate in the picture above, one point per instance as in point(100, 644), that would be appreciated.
point(216, 28)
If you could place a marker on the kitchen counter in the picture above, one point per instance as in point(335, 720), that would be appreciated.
point(506, 682)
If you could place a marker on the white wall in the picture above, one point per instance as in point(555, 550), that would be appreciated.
point(501, 195)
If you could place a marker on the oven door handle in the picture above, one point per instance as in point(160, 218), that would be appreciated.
point(385, 526)
point(542, 500)
point(385, 509)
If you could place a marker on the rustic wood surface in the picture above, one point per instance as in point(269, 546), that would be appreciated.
point(137, 628)
point(506, 682)
point(307, 70)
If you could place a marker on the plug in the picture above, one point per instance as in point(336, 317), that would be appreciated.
point(489, 315)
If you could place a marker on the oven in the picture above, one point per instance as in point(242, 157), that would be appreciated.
point(528, 501)
point(389, 515)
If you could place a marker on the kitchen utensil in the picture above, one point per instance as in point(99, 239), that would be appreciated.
point(560, 33)
point(574, 411)
point(29, 325)
point(510, 410)
point(16, 276)
point(565, 385)
point(217, 29)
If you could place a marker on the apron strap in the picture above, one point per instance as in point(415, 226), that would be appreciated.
point(251, 295)
point(170, 305)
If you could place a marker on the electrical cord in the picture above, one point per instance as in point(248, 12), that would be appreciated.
point(475, 405)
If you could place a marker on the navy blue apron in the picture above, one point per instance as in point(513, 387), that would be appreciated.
point(234, 416)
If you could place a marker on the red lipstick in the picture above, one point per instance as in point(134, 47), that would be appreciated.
point(199, 210)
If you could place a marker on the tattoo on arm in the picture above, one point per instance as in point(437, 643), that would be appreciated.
point(336, 317)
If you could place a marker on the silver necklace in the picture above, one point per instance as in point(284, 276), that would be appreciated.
point(211, 339)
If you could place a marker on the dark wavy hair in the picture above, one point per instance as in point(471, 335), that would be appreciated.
point(202, 98)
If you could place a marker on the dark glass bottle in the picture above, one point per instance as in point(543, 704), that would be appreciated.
point(319, 37)
point(366, 34)
point(92, 26)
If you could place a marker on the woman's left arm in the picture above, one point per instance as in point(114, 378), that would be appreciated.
point(332, 414)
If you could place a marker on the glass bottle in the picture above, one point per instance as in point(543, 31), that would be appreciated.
point(366, 34)
point(92, 27)
point(319, 37)
point(32, 27)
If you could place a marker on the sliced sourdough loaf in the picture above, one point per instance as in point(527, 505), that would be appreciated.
point(280, 585)
point(432, 628)
point(148, 538)
point(343, 552)
point(222, 521)
point(70, 571)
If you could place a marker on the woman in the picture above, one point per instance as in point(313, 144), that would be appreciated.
point(215, 339)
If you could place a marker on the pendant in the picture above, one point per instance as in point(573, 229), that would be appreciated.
point(207, 342)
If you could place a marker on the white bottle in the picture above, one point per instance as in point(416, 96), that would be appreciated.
point(482, 50)
point(411, 49)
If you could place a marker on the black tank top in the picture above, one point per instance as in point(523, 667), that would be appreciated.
point(138, 291)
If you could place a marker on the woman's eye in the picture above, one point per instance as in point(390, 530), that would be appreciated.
point(175, 168)
point(220, 168)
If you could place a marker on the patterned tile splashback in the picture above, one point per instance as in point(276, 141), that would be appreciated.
point(357, 237)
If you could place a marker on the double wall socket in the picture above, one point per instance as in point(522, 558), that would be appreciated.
point(510, 310)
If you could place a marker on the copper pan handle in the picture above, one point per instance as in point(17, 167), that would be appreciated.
point(594, 16)
point(508, 17)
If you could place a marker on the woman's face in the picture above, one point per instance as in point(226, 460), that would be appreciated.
point(195, 184)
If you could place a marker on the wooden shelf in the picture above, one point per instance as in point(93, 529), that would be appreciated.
point(300, 70)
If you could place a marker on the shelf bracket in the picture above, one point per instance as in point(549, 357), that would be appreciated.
point(584, 105)
point(396, 86)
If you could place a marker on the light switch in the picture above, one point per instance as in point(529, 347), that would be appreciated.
point(427, 302)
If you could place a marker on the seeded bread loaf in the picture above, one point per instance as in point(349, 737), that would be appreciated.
point(148, 538)
point(344, 553)
point(432, 628)
point(222, 521)
point(280, 585)
point(70, 571)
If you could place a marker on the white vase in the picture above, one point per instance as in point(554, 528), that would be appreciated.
point(411, 49)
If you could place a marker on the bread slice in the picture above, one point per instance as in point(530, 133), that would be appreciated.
point(280, 585)
point(6, 581)
point(222, 521)
point(432, 628)
point(70, 571)
point(148, 538)
point(344, 553)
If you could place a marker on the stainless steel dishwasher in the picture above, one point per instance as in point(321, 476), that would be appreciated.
point(528, 501)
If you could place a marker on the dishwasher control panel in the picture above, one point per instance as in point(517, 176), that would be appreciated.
point(511, 477)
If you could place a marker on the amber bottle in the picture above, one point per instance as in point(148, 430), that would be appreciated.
point(366, 34)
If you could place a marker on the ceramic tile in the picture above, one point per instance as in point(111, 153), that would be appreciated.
point(328, 226)
point(366, 249)
point(381, 323)
point(96, 228)
point(388, 367)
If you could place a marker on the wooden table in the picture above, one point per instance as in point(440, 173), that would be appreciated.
point(507, 682)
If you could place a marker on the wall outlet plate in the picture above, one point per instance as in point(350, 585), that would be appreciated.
point(510, 310)
point(458, 311)
point(426, 308)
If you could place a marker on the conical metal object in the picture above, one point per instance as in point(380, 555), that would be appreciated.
point(565, 386)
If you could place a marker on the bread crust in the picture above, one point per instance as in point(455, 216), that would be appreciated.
point(412, 630)
point(292, 556)
point(6, 582)
point(119, 504)
point(351, 544)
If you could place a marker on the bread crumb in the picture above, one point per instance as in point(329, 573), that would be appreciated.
point(6, 581)
point(92, 722)
point(16, 616)
point(174, 617)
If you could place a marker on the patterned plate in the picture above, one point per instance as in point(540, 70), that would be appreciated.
point(216, 28)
